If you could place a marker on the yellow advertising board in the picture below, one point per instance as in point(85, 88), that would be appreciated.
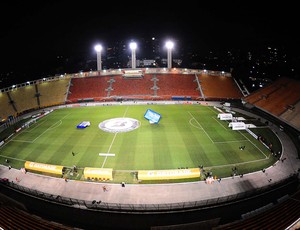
point(98, 173)
point(168, 174)
point(55, 169)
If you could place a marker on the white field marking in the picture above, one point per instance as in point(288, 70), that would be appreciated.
point(45, 131)
point(107, 154)
point(245, 137)
point(267, 157)
point(51, 127)
point(241, 163)
point(216, 142)
point(55, 126)
point(224, 142)
point(12, 158)
point(251, 142)
point(190, 121)
point(21, 141)
point(30, 129)
point(214, 110)
point(201, 128)
point(220, 142)
point(65, 116)
point(220, 123)
point(254, 145)
point(112, 142)
point(12, 139)
point(109, 150)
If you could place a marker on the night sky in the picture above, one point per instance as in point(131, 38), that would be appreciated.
point(32, 35)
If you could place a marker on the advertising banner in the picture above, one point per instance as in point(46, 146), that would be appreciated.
point(168, 174)
point(55, 169)
point(98, 173)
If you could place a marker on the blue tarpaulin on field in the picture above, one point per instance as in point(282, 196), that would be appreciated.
point(83, 125)
point(152, 116)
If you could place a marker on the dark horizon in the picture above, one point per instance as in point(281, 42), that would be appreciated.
point(34, 35)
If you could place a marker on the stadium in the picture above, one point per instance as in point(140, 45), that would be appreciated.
point(149, 148)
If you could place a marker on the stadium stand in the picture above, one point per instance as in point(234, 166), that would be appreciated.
point(24, 98)
point(151, 86)
point(177, 85)
point(279, 98)
point(13, 215)
point(15, 218)
point(264, 92)
point(6, 107)
point(162, 86)
point(280, 216)
point(132, 87)
point(214, 87)
point(292, 115)
point(53, 92)
point(89, 87)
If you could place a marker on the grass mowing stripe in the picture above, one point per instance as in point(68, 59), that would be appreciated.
point(201, 127)
point(12, 158)
point(34, 126)
point(177, 141)
point(108, 151)
point(226, 128)
point(113, 140)
point(254, 145)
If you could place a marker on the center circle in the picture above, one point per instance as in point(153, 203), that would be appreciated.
point(118, 125)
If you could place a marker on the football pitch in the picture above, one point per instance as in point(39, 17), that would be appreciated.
point(187, 136)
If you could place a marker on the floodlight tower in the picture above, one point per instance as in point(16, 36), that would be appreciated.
point(98, 49)
point(169, 46)
point(133, 46)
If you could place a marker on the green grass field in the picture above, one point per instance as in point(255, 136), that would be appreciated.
point(186, 136)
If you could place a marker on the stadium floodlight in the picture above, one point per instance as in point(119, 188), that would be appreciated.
point(98, 49)
point(169, 45)
point(133, 47)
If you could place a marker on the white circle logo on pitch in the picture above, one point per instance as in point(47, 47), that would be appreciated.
point(117, 125)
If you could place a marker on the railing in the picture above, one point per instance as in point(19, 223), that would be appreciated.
point(99, 205)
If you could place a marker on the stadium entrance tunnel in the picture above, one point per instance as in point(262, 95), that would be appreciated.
point(117, 125)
